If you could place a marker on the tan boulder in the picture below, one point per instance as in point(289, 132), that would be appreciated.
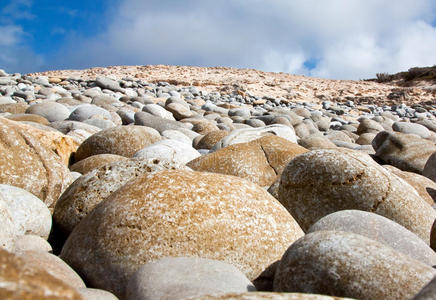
point(27, 163)
point(320, 182)
point(210, 139)
point(28, 117)
point(346, 264)
point(18, 280)
point(14, 108)
point(120, 140)
point(95, 161)
point(179, 213)
point(259, 161)
point(425, 187)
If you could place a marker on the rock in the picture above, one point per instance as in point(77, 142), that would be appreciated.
point(266, 296)
point(95, 161)
point(30, 242)
point(430, 167)
point(29, 214)
point(96, 294)
point(179, 111)
point(338, 263)
point(160, 124)
point(107, 83)
point(28, 164)
point(20, 281)
point(28, 117)
point(120, 140)
point(176, 135)
point(425, 187)
point(52, 111)
point(259, 161)
point(255, 123)
point(85, 111)
point(249, 134)
point(185, 277)
point(204, 127)
point(380, 229)
point(369, 126)
point(6, 100)
point(100, 123)
point(14, 108)
point(169, 150)
point(210, 139)
point(179, 213)
point(428, 292)
point(316, 142)
point(411, 128)
point(52, 265)
point(320, 182)
point(61, 145)
point(8, 233)
point(407, 152)
point(365, 138)
point(89, 190)
point(67, 126)
point(158, 111)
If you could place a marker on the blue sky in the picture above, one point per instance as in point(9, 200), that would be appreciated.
point(340, 39)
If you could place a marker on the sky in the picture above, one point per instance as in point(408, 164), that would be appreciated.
point(336, 39)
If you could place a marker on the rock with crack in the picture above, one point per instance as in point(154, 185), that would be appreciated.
point(259, 161)
point(320, 182)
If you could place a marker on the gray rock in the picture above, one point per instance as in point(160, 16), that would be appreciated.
point(31, 242)
point(349, 265)
point(179, 111)
point(428, 292)
point(430, 168)
point(158, 111)
point(380, 229)
point(369, 126)
point(254, 123)
point(411, 128)
point(185, 277)
point(100, 123)
point(67, 126)
point(176, 135)
point(160, 124)
point(107, 83)
point(8, 232)
point(86, 111)
point(170, 150)
point(6, 100)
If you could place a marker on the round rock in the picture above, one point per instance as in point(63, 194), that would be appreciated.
point(52, 111)
point(320, 182)
point(345, 264)
point(380, 229)
point(120, 140)
point(179, 213)
point(95, 161)
point(185, 277)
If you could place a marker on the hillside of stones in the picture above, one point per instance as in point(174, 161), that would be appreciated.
point(166, 182)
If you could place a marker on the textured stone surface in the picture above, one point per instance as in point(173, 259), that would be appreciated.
point(266, 296)
point(179, 213)
point(27, 163)
point(30, 242)
point(249, 134)
point(411, 128)
point(52, 265)
point(20, 281)
point(29, 214)
point(120, 140)
point(369, 126)
point(259, 161)
point(428, 292)
point(7, 233)
point(210, 139)
point(349, 265)
point(95, 161)
point(28, 117)
point(316, 142)
point(93, 187)
point(407, 152)
point(425, 187)
point(380, 229)
point(320, 182)
point(96, 294)
point(185, 277)
point(169, 150)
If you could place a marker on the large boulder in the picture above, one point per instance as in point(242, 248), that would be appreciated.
point(26, 163)
point(407, 152)
point(320, 182)
point(52, 111)
point(380, 229)
point(174, 278)
point(259, 161)
point(120, 140)
point(346, 264)
point(179, 213)
point(19, 280)
point(170, 150)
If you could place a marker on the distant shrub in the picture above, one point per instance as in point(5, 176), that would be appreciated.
point(384, 77)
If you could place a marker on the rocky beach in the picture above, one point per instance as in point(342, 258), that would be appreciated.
point(177, 182)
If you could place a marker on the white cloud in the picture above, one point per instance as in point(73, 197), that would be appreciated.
point(349, 39)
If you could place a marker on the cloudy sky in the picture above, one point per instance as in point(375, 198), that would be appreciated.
point(339, 39)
